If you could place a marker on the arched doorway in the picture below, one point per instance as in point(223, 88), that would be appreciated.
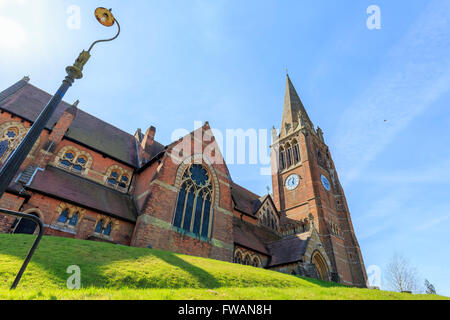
point(321, 266)
point(26, 226)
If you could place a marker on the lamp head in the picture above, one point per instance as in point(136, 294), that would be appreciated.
point(105, 17)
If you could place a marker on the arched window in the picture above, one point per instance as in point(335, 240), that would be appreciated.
point(247, 260)
point(99, 227)
point(238, 257)
point(107, 230)
point(69, 218)
point(255, 262)
point(64, 215)
point(193, 212)
point(8, 142)
point(289, 156)
point(118, 179)
point(282, 159)
point(74, 220)
point(296, 153)
point(71, 160)
point(103, 228)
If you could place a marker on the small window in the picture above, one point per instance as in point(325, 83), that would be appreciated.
point(69, 155)
point(74, 220)
point(282, 160)
point(82, 160)
point(289, 157)
point(63, 216)
point(11, 134)
point(107, 230)
point(65, 163)
point(296, 153)
point(99, 227)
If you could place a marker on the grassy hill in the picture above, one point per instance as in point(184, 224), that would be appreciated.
point(118, 272)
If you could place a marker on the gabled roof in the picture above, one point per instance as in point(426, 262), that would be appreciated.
point(288, 250)
point(27, 101)
point(245, 201)
point(75, 189)
point(244, 235)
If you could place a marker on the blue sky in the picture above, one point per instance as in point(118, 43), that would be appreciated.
point(224, 62)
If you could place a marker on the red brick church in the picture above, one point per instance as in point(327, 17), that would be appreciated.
point(87, 179)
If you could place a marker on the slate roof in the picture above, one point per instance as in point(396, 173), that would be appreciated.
point(245, 200)
point(27, 101)
point(80, 191)
point(288, 250)
point(243, 234)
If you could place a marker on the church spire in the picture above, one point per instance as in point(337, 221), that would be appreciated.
point(294, 113)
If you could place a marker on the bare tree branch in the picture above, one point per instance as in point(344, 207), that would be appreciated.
point(401, 276)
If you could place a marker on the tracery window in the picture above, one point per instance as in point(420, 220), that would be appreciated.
point(238, 258)
point(289, 156)
point(8, 142)
point(282, 159)
point(103, 228)
point(247, 260)
point(116, 178)
point(296, 153)
point(68, 218)
point(74, 160)
point(194, 209)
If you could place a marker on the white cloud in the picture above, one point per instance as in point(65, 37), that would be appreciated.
point(416, 76)
point(12, 34)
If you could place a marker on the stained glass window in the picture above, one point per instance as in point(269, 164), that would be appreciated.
point(63, 216)
point(107, 230)
point(3, 147)
point(193, 210)
point(99, 227)
point(69, 155)
point(74, 220)
point(282, 160)
point(296, 153)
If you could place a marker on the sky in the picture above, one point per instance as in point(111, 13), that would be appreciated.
point(381, 96)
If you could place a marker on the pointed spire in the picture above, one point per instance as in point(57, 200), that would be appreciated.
point(293, 110)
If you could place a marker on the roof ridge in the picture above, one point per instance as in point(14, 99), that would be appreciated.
point(8, 92)
point(238, 185)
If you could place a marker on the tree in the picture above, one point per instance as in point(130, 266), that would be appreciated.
point(429, 288)
point(401, 276)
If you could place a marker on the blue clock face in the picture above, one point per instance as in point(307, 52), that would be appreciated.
point(292, 182)
point(325, 182)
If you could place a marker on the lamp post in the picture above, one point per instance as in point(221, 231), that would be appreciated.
point(12, 165)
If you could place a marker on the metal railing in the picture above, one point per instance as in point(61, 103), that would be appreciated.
point(35, 244)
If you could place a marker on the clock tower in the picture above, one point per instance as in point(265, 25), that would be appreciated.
point(306, 185)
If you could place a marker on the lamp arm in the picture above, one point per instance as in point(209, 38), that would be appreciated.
point(106, 40)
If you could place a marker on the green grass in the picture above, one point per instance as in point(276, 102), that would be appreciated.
point(118, 272)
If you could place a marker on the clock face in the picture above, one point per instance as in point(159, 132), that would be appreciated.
point(325, 182)
point(292, 182)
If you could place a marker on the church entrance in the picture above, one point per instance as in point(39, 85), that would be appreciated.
point(26, 226)
point(321, 266)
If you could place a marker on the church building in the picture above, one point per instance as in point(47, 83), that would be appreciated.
point(86, 179)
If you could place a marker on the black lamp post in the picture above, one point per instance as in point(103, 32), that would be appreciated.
point(12, 165)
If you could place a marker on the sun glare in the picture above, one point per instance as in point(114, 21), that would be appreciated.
point(12, 34)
